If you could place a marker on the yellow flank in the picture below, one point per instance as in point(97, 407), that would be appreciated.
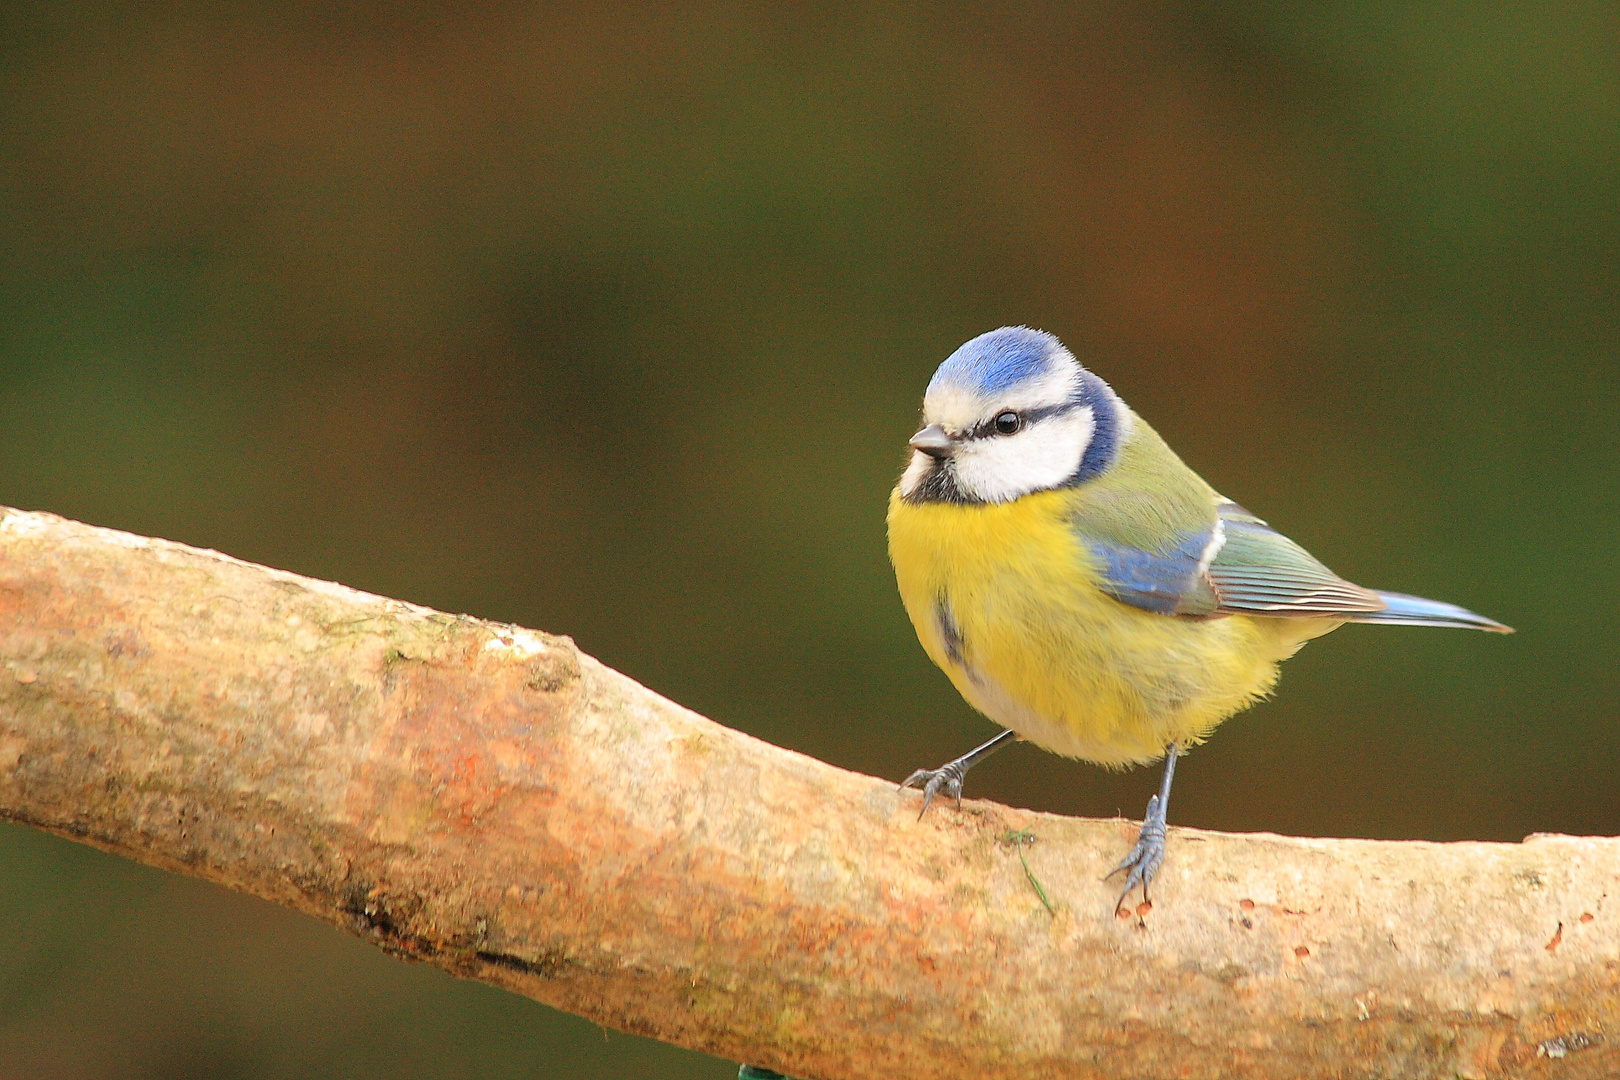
point(1043, 651)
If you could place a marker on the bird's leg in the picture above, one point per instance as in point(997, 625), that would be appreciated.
point(948, 777)
point(1144, 859)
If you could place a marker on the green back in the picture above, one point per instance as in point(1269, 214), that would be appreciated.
point(1148, 500)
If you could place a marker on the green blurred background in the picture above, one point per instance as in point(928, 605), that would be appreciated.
point(615, 324)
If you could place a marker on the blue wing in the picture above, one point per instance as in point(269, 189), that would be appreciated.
point(1241, 565)
point(1169, 582)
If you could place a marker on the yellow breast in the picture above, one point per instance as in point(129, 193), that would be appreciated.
point(1004, 599)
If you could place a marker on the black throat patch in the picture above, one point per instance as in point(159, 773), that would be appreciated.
point(939, 485)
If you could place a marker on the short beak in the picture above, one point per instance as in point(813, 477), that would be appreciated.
point(933, 441)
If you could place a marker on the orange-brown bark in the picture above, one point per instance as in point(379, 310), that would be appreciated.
point(491, 800)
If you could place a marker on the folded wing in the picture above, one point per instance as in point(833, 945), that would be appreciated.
point(1259, 571)
point(1241, 565)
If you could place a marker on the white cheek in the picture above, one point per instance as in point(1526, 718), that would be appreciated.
point(1000, 468)
point(916, 472)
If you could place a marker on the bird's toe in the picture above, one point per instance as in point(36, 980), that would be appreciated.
point(934, 781)
point(1145, 858)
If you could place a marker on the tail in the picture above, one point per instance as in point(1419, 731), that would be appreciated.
point(1416, 611)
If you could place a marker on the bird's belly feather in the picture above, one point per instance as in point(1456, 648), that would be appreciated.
point(1005, 600)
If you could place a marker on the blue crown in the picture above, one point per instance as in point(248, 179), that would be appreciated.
point(992, 362)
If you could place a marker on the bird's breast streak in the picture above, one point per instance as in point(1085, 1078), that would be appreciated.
point(1005, 599)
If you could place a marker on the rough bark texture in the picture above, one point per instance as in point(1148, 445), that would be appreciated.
point(491, 800)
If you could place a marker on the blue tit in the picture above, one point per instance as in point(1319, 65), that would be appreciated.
point(1084, 588)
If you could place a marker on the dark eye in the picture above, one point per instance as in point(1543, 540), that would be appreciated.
point(1008, 423)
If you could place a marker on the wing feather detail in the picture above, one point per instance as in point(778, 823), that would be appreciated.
point(1259, 571)
point(1242, 566)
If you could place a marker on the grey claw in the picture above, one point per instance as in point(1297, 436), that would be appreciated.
point(932, 781)
point(1145, 858)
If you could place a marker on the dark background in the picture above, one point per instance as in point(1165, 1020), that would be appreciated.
point(616, 324)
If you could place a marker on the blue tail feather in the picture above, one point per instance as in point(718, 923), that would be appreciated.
point(1417, 611)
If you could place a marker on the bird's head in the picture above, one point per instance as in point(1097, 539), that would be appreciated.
point(1009, 413)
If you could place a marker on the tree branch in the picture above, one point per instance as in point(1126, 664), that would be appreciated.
point(491, 800)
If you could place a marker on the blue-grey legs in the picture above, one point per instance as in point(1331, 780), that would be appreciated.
point(948, 777)
point(1144, 859)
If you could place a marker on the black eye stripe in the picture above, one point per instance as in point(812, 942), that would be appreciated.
point(1026, 417)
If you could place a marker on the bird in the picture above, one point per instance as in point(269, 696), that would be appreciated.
point(1085, 589)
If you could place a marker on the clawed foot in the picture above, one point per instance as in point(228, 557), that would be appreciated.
point(946, 778)
point(1144, 859)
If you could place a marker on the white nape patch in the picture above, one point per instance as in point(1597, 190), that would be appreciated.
point(1124, 418)
point(1000, 468)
